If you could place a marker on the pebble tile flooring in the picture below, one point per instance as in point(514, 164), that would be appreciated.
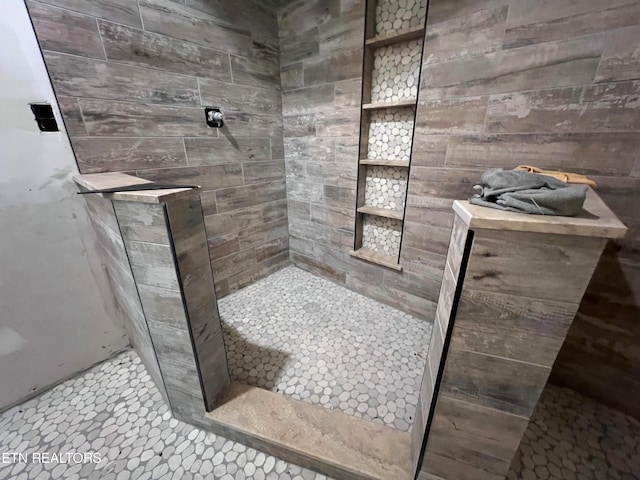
point(309, 338)
point(114, 409)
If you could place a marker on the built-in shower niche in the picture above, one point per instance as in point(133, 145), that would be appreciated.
point(394, 38)
point(382, 235)
point(396, 69)
point(386, 188)
point(396, 16)
point(390, 135)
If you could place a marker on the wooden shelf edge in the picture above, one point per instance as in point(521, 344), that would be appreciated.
point(383, 40)
point(376, 258)
point(385, 163)
point(399, 104)
point(381, 212)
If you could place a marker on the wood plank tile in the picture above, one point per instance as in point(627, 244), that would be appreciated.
point(428, 150)
point(540, 66)
point(209, 177)
point(515, 327)
point(299, 46)
point(256, 72)
point(470, 442)
point(321, 234)
point(291, 76)
point(277, 148)
point(442, 11)
point(260, 172)
point(299, 125)
point(114, 81)
point(119, 11)
point(192, 257)
point(308, 100)
point(152, 265)
point(299, 209)
point(556, 20)
point(329, 173)
point(620, 60)
point(450, 183)
point(163, 306)
point(426, 237)
point(339, 123)
point(347, 93)
point(172, 19)
point(244, 218)
point(65, 31)
point(333, 68)
point(465, 36)
point(180, 376)
point(223, 245)
point(142, 222)
point(211, 151)
point(346, 149)
point(239, 98)
point(551, 267)
point(493, 382)
point(457, 116)
point(339, 197)
point(310, 148)
point(136, 47)
point(317, 268)
point(246, 196)
point(236, 262)
point(593, 153)
point(172, 342)
point(72, 116)
point(118, 119)
point(263, 234)
point(100, 154)
point(597, 108)
point(343, 219)
point(273, 249)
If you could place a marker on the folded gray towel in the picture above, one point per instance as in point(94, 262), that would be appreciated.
point(531, 193)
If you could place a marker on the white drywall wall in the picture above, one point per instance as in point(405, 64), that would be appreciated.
point(57, 316)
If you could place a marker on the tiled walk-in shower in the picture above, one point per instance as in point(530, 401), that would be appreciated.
point(309, 338)
point(115, 409)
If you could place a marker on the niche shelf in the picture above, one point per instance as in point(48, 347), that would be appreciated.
point(384, 40)
point(381, 212)
point(411, 102)
point(394, 38)
point(385, 163)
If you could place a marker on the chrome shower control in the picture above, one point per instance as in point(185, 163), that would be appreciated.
point(214, 117)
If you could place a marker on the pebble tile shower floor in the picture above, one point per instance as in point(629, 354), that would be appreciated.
point(116, 410)
point(311, 339)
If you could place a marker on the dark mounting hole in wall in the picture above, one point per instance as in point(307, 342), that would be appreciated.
point(43, 113)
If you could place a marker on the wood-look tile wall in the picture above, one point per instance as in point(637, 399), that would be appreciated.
point(167, 250)
point(519, 292)
point(321, 68)
point(132, 78)
point(123, 285)
point(505, 82)
point(553, 84)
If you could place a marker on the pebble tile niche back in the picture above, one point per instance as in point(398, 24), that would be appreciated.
point(394, 34)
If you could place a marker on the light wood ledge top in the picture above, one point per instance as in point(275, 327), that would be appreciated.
point(595, 220)
point(100, 181)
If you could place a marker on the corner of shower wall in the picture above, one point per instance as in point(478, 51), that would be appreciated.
point(132, 94)
point(321, 67)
